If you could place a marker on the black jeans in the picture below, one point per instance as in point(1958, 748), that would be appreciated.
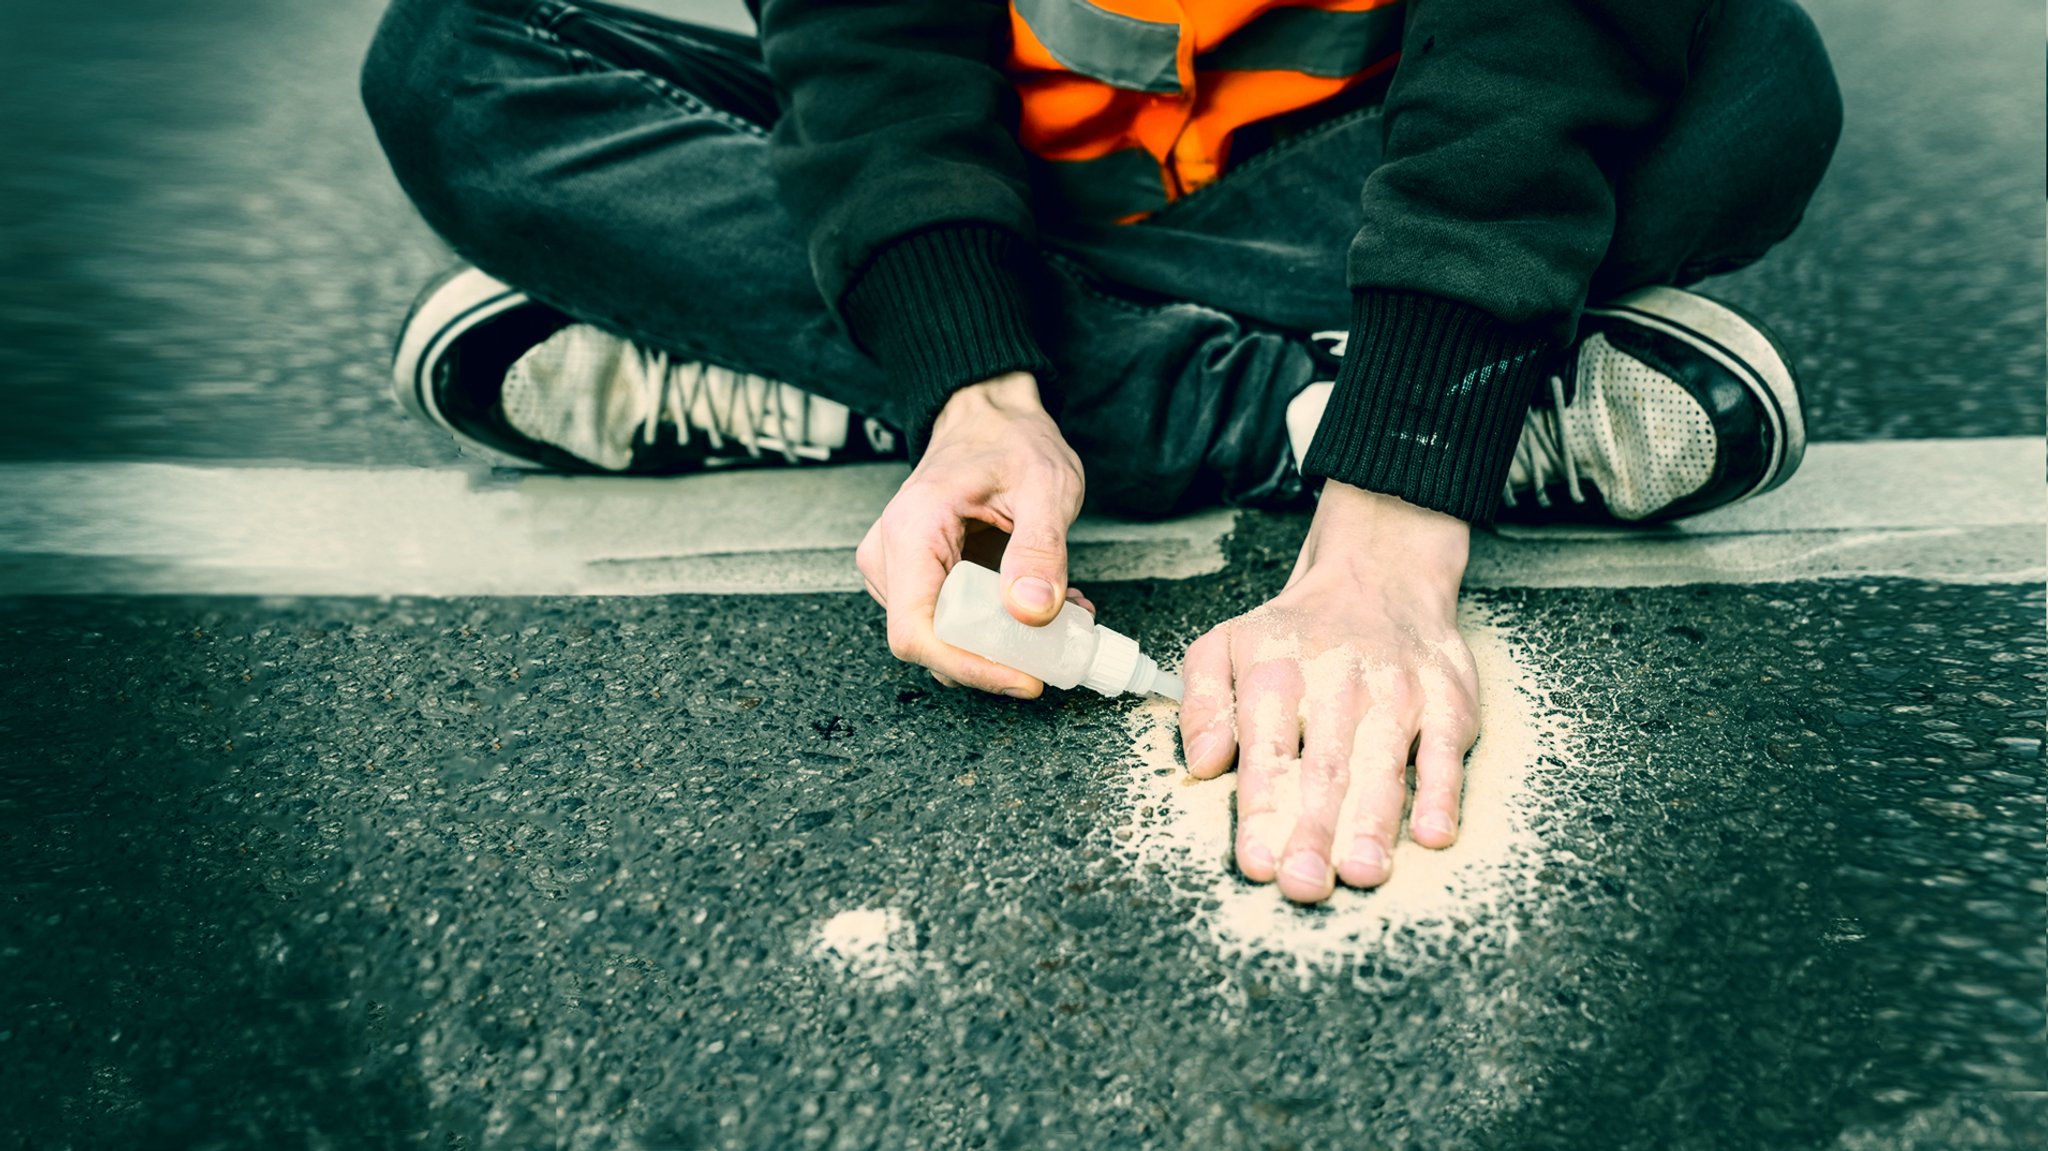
point(615, 165)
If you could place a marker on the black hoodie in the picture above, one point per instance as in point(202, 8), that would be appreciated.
point(1504, 123)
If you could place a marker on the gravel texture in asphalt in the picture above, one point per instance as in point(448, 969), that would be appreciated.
point(565, 872)
point(707, 872)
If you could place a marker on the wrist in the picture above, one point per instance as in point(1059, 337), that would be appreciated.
point(1008, 395)
point(1375, 535)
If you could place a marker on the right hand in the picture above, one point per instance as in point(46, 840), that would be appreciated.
point(996, 462)
point(1325, 695)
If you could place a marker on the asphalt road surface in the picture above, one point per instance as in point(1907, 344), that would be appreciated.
point(696, 870)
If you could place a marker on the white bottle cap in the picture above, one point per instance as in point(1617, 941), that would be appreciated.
point(1115, 663)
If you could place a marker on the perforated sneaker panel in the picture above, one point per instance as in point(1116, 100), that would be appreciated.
point(1642, 439)
point(580, 390)
point(597, 397)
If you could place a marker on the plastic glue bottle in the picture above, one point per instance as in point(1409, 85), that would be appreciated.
point(1072, 649)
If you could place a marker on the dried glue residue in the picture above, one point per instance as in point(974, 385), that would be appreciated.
point(878, 944)
point(1181, 828)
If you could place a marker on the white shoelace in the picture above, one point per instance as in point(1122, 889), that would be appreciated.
point(1544, 451)
point(753, 414)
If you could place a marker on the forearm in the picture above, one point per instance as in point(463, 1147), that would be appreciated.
point(897, 119)
point(1482, 228)
point(897, 157)
point(1502, 124)
point(948, 308)
point(1428, 403)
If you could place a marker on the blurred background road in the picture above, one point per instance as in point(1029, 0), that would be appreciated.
point(348, 865)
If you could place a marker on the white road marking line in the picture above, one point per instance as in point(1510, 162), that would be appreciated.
point(152, 528)
point(1955, 511)
point(1949, 510)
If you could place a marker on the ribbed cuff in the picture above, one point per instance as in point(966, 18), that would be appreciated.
point(945, 308)
point(1428, 403)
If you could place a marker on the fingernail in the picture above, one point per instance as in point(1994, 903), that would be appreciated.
point(1032, 594)
point(1257, 857)
point(1368, 865)
point(1308, 869)
point(1016, 692)
point(1435, 823)
point(1204, 746)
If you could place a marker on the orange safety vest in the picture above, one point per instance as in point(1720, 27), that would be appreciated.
point(1131, 104)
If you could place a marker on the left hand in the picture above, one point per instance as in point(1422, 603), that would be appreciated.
point(1354, 670)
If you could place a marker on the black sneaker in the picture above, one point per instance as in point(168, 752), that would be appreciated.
point(519, 383)
point(1670, 405)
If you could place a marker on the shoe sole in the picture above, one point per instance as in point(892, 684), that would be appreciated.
point(1738, 344)
point(451, 304)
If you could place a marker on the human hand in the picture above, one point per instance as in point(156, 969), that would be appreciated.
point(1354, 669)
point(998, 477)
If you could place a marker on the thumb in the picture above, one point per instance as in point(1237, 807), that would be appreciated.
point(1035, 564)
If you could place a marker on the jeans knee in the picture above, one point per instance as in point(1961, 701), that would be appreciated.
point(418, 62)
point(1742, 156)
point(398, 72)
point(1796, 104)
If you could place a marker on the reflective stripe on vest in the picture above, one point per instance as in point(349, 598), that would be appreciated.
point(1121, 51)
point(1104, 83)
point(1310, 40)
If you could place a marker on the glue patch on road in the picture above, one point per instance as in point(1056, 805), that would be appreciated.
point(1181, 828)
point(878, 944)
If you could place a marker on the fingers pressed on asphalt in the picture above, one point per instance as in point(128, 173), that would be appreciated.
point(1308, 871)
point(1208, 734)
point(1379, 782)
point(1269, 744)
point(1439, 783)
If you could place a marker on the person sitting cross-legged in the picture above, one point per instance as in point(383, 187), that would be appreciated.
point(1426, 263)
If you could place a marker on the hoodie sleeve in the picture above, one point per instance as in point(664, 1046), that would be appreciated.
point(897, 154)
point(1505, 124)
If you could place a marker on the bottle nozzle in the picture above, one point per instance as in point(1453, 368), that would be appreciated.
point(1169, 685)
point(970, 614)
point(1147, 676)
